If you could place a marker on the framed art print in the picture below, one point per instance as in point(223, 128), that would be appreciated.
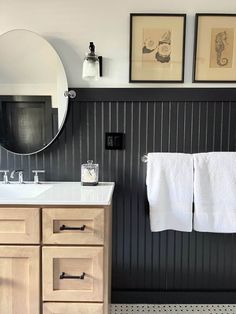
point(157, 44)
point(215, 48)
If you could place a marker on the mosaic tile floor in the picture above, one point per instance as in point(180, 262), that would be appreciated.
point(173, 308)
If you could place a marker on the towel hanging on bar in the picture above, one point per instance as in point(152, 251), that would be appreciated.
point(170, 191)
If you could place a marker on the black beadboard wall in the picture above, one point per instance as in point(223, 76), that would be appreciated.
point(165, 267)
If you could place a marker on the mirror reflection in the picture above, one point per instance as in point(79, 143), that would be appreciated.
point(32, 85)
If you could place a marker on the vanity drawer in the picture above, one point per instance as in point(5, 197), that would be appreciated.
point(73, 226)
point(73, 274)
point(19, 225)
point(73, 308)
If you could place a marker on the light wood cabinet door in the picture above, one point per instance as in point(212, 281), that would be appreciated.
point(19, 225)
point(72, 308)
point(73, 274)
point(73, 226)
point(19, 280)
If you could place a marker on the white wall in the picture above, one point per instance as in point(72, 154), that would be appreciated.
point(69, 25)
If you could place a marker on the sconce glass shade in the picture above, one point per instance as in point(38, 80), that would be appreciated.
point(91, 68)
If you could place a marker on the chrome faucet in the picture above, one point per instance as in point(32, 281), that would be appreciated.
point(21, 179)
point(5, 176)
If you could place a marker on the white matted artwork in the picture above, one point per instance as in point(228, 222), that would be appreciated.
point(157, 44)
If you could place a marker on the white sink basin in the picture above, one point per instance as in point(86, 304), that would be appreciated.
point(22, 191)
point(55, 193)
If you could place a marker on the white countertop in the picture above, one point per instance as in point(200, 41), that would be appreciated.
point(56, 193)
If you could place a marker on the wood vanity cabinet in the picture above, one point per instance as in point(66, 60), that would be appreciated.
point(55, 260)
point(19, 279)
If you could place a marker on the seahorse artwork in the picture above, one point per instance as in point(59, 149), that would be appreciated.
point(220, 43)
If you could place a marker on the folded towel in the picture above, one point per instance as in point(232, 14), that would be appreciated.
point(215, 192)
point(170, 191)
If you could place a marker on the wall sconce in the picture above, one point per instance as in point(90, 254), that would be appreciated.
point(92, 66)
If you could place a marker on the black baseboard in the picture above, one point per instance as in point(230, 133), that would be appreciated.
point(174, 297)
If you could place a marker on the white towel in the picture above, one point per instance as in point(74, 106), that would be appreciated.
point(215, 192)
point(170, 191)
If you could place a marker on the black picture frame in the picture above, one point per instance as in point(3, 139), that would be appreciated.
point(196, 45)
point(182, 53)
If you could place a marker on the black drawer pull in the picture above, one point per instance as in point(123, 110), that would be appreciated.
point(64, 276)
point(64, 227)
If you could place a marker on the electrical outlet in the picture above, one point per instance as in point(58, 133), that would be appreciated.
point(114, 141)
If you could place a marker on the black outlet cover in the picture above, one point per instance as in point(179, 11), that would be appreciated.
point(114, 140)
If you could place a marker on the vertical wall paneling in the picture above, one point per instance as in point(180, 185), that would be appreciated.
point(147, 266)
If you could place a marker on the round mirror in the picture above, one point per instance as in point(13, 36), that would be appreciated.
point(32, 85)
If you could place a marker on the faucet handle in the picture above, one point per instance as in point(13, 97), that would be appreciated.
point(5, 176)
point(36, 177)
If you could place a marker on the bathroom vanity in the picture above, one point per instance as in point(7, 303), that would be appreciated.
point(55, 248)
